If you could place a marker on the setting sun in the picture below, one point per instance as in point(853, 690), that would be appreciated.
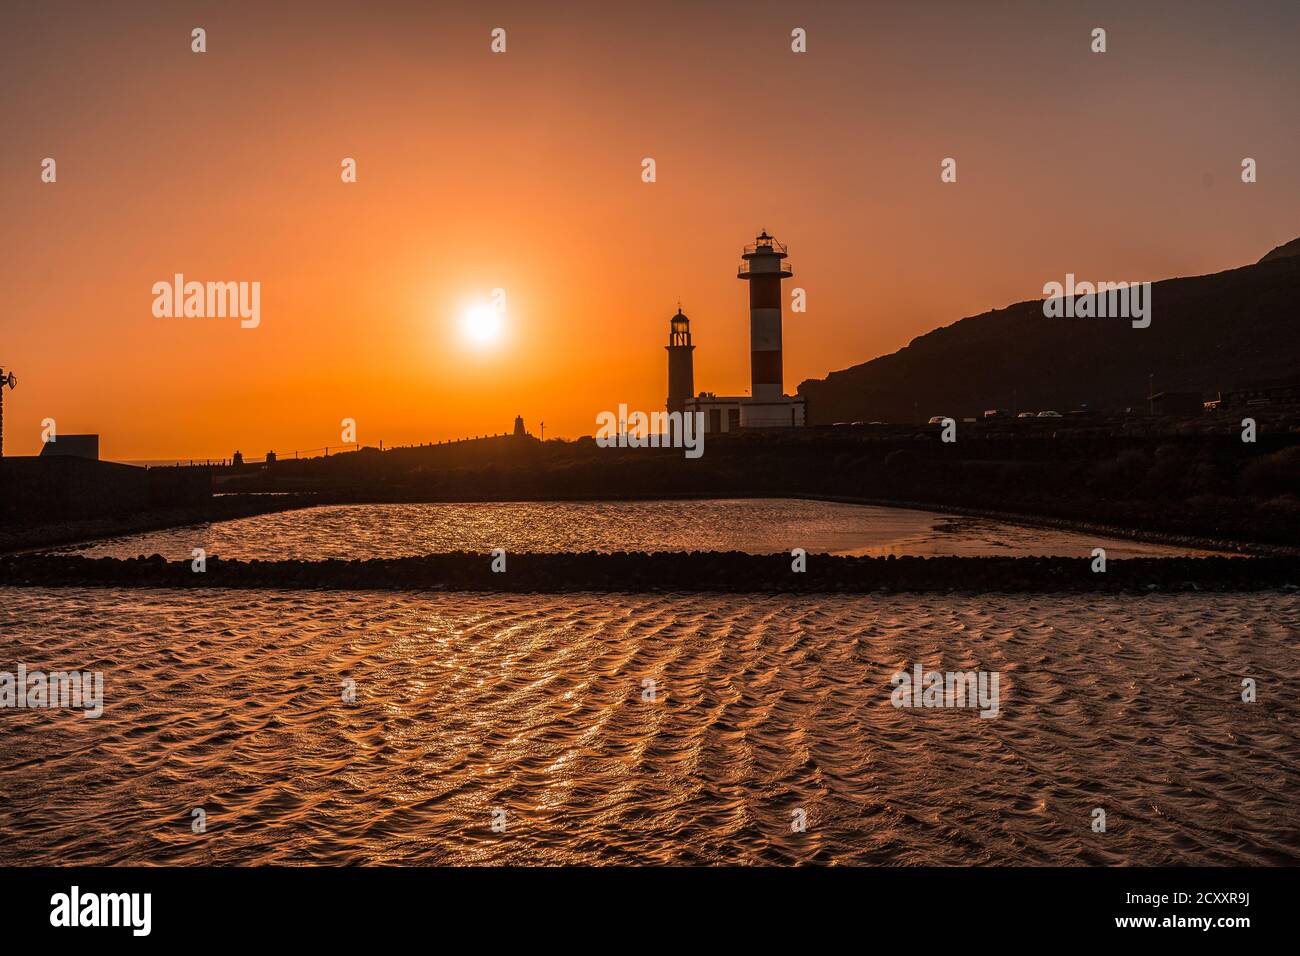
point(482, 325)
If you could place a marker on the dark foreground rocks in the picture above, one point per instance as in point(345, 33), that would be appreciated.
point(665, 571)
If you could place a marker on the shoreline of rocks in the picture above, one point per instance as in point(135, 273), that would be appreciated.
point(697, 571)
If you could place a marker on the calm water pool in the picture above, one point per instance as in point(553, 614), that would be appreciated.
point(760, 526)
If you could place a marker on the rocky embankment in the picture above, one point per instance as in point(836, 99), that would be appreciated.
point(665, 571)
point(223, 508)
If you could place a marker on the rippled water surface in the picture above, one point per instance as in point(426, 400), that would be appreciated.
point(536, 706)
point(760, 526)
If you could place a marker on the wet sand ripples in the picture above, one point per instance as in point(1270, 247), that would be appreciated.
point(468, 704)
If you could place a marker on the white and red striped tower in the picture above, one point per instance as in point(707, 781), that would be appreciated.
point(764, 267)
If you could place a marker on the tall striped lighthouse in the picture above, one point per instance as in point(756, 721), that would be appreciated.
point(763, 267)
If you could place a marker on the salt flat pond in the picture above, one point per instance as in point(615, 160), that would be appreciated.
point(757, 526)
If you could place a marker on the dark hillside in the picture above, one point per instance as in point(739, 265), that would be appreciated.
point(1207, 333)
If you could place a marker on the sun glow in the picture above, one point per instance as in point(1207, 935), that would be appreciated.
point(482, 325)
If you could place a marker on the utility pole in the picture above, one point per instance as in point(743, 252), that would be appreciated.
point(12, 382)
point(543, 431)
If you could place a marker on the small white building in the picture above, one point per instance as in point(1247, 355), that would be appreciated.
point(730, 413)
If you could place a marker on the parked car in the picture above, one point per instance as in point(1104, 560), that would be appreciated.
point(937, 419)
point(1026, 415)
point(1050, 415)
point(997, 413)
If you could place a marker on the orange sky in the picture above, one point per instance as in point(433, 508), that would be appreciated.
point(522, 171)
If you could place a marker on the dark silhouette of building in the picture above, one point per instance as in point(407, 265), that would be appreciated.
point(519, 426)
point(681, 363)
point(72, 446)
point(270, 457)
point(238, 459)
